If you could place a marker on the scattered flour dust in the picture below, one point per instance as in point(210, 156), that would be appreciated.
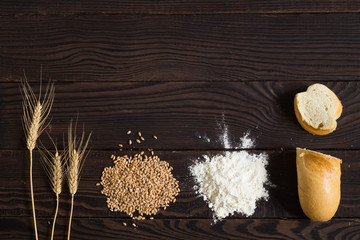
point(224, 138)
point(232, 182)
point(245, 141)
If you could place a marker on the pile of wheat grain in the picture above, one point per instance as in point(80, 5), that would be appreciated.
point(141, 184)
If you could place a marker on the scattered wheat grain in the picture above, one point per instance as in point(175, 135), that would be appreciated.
point(140, 184)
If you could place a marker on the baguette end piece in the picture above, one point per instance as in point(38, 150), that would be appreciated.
point(318, 177)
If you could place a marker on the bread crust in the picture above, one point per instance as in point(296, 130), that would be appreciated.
point(318, 177)
point(309, 128)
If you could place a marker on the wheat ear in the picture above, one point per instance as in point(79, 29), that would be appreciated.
point(76, 157)
point(54, 168)
point(36, 110)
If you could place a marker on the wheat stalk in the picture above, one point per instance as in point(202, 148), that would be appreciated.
point(54, 168)
point(76, 157)
point(36, 110)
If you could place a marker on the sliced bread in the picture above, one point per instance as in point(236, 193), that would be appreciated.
point(317, 109)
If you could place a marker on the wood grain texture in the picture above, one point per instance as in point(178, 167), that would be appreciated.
point(224, 47)
point(175, 7)
point(112, 228)
point(185, 71)
point(283, 201)
point(185, 115)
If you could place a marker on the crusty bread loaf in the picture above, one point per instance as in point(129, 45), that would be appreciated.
point(318, 177)
point(317, 109)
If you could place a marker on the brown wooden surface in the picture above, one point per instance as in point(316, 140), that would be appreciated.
point(181, 70)
point(175, 7)
point(283, 202)
point(110, 109)
point(223, 47)
point(179, 229)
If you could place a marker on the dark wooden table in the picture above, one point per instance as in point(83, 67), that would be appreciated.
point(174, 69)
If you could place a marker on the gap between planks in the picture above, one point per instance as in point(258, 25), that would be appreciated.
point(110, 13)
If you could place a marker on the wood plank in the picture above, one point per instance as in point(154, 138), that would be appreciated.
point(283, 202)
point(112, 228)
point(224, 47)
point(176, 7)
point(185, 115)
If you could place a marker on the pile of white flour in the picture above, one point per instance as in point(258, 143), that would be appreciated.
point(232, 182)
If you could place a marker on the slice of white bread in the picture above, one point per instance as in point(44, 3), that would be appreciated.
point(317, 109)
point(318, 177)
